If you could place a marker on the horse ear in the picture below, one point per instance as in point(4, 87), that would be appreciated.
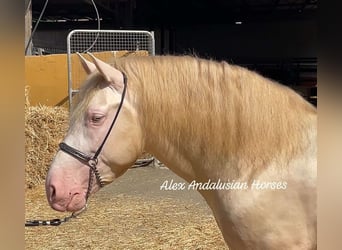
point(88, 67)
point(110, 74)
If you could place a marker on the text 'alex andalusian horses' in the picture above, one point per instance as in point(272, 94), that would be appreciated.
point(206, 121)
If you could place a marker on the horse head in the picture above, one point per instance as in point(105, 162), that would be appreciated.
point(103, 140)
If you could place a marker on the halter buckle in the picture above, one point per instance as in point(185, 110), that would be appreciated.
point(92, 163)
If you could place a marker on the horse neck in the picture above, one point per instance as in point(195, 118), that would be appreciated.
point(157, 141)
point(166, 132)
point(231, 131)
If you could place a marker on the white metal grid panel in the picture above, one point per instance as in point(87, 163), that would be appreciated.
point(104, 40)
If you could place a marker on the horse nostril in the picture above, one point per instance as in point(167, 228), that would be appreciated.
point(52, 192)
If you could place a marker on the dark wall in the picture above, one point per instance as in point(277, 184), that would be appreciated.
point(267, 40)
point(287, 39)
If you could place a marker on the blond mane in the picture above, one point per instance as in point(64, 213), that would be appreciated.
point(214, 108)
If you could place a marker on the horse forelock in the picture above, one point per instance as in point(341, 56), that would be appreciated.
point(214, 108)
point(83, 97)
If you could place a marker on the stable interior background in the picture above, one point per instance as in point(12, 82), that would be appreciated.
point(277, 38)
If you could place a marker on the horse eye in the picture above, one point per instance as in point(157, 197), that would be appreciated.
point(96, 119)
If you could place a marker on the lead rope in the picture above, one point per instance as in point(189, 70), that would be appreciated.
point(54, 222)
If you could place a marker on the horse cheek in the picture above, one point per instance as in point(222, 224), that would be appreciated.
point(125, 146)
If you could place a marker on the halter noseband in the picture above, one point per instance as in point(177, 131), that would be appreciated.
point(91, 161)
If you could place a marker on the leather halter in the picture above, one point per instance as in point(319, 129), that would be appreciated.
point(91, 161)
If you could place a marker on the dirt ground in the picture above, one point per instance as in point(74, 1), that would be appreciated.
point(130, 213)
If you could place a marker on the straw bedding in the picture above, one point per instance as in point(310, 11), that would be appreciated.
point(123, 222)
point(111, 222)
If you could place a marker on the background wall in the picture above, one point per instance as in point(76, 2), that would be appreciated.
point(248, 41)
point(287, 39)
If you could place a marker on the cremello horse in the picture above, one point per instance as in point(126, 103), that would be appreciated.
point(206, 121)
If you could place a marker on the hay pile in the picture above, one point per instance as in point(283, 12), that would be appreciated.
point(45, 127)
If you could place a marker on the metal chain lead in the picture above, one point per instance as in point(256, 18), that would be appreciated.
point(54, 222)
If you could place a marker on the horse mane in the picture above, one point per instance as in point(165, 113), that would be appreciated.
point(214, 108)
